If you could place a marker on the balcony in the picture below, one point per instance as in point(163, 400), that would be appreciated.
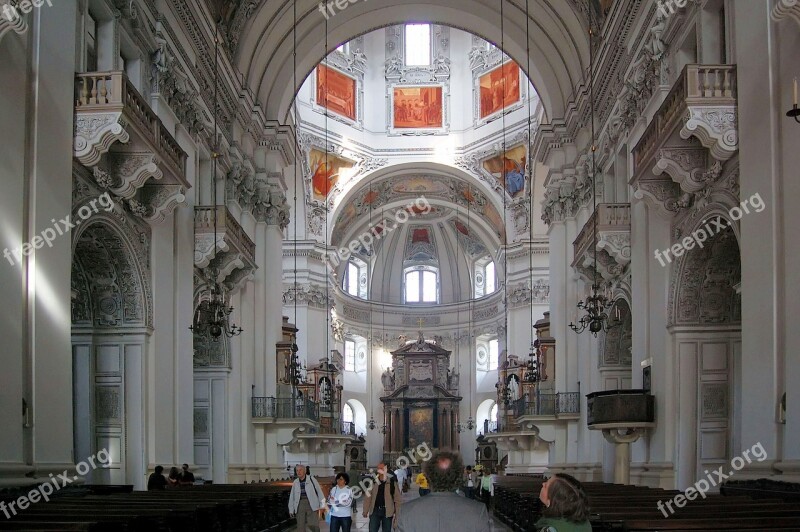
point(284, 408)
point(230, 251)
point(531, 423)
point(623, 407)
point(691, 135)
point(128, 148)
point(613, 242)
point(549, 404)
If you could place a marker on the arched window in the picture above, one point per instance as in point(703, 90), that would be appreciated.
point(347, 414)
point(493, 414)
point(421, 284)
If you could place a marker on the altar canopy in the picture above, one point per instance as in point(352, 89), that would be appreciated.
point(420, 401)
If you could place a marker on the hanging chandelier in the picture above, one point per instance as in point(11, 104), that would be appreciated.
point(532, 367)
point(598, 302)
point(212, 317)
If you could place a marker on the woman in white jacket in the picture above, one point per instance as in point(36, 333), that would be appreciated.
point(305, 500)
point(340, 501)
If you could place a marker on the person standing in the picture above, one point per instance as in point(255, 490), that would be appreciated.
point(382, 504)
point(444, 509)
point(340, 501)
point(305, 500)
point(157, 480)
point(422, 482)
point(486, 487)
point(470, 479)
point(400, 475)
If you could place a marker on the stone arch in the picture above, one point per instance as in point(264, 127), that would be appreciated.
point(359, 415)
point(617, 343)
point(704, 279)
point(704, 317)
point(208, 353)
point(111, 322)
point(110, 281)
point(558, 42)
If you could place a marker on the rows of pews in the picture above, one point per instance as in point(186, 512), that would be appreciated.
point(616, 507)
point(208, 508)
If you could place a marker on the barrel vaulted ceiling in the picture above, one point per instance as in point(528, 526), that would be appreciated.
point(261, 35)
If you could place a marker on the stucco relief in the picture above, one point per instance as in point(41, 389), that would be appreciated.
point(702, 283)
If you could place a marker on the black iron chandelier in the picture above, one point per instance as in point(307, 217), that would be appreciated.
point(597, 303)
point(212, 315)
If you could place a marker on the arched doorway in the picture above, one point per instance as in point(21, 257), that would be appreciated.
point(111, 327)
point(705, 323)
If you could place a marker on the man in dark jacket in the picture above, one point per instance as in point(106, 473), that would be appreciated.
point(444, 509)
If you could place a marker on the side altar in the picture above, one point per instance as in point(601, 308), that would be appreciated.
point(420, 401)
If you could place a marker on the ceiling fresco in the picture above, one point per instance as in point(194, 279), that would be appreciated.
point(373, 198)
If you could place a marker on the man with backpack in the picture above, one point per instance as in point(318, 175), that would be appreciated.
point(382, 502)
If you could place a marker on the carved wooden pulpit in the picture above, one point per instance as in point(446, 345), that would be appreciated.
point(421, 400)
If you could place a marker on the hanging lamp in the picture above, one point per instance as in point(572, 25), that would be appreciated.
point(212, 317)
point(597, 303)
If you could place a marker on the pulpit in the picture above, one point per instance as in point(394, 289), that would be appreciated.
point(420, 402)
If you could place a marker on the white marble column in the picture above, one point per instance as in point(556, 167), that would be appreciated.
point(37, 75)
point(765, 290)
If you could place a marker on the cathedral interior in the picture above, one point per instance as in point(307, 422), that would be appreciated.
point(554, 236)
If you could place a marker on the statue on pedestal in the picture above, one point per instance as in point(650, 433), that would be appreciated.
point(387, 379)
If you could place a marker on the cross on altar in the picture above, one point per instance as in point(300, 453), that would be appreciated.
point(421, 321)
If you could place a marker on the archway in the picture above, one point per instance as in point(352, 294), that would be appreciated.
point(359, 415)
point(111, 325)
point(264, 52)
point(705, 317)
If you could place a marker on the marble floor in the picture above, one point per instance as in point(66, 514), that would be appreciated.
point(362, 523)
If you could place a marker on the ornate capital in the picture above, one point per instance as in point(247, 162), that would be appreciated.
point(309, 295)
point(270, 206)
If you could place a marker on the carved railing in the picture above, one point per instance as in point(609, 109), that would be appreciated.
point(697, 86)
point(227, 225)
point(284, 408)
point(548, 404)
point(112, 92)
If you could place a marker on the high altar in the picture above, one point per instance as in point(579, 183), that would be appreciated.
point(420, 403)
